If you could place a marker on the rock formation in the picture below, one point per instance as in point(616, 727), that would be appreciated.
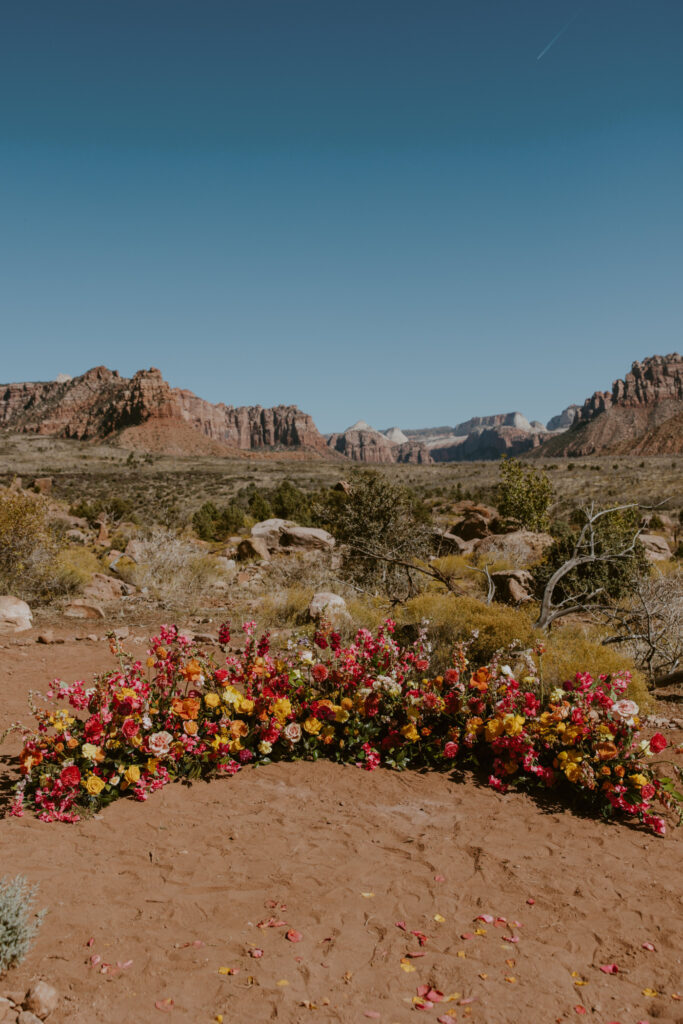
point(642, 414)
point(363, 443)
point(101, 404)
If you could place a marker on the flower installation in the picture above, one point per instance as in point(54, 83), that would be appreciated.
point(180, 716)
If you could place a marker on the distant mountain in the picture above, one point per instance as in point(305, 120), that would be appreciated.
point(642, 414)
point(363, 443)
point(145, 412)
point(481, 437)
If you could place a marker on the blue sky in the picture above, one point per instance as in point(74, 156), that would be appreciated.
point(382, 210)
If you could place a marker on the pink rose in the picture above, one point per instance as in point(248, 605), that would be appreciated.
point(130, 728)
point(450, 750)
point(159, 743)
point(292, 732)
point(625, 708)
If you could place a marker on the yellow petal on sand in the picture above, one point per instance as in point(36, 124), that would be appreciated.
point(650, 993)
point(225, 970)
point(282, 982)
point(580, 983)
point(483, 977)
point(480, 931)
point(452, 997)
point(511, 980)
point(367, 895)
point(439, 918)
point(461, 954)
point(575, 974)
point(408, 968)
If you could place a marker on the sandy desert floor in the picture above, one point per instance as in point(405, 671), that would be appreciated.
point(186, 888)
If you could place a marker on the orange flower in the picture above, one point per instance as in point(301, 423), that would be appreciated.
point(606, 751)
point(191, 728)
point(28, 761)
point(192, 671)
point(187, 707)
point(480, 680)
point(238, 728)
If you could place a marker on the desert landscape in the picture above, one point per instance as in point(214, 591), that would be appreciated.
point(317, 889)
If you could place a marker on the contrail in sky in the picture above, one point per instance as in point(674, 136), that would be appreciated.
point(555, 38)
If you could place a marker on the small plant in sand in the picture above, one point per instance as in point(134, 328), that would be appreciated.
point(371, 703)
point(19, 923)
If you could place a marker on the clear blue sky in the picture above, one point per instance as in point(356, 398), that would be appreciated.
point(370, 208)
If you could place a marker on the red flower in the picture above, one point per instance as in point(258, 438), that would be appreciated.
point(658, 742)
point(130, 728)
point(70, 776)
point(320, 673)
point(93, 729)
point(647, 792)
point(422, 665)
point(450, 750)
point(451, 676)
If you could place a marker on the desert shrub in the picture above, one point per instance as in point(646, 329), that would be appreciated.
point(173, 571)
point(285, 607)
point(524, 495)
point(450, 619)
point(612, 575)
point(78, 564)
point(214, 524)
point(380, 524)
point(29, 566)
point(111, 508)
point(574, 647)
point(19, 923)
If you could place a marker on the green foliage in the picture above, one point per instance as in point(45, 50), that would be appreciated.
point(113, 509)
point(612, 576)
point(380, 524)
point(524, 495)
point(211, 523)
point(29, 549)
point(19, 924)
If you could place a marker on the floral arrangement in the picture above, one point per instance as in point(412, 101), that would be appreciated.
point(372, 703)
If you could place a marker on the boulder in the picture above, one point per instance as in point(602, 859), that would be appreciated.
point(43, 484)
point(513, 586)
point(27, 1017)
point(15, 615)
point(522, 547)
point(106, 588)
point(310, 538)
point(326, 605)
point(77, 536)
point(473, 526)
point(134, 550)
point(656, 548)
point(445, 543)
point(270, 530)
point(83, 610)
point(41, 999)
point(251, 548)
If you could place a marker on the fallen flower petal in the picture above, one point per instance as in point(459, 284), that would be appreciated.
point(609, 968)
point(401, 925)
point(293, 935)
point(164, 1004)
point(581, 1009)
point(648, 945)
point(256, 953)
point(486, 918)
point(650, 993)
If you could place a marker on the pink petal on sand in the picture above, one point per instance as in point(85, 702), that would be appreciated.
point(445, 1018)
point(435, 996)
point(373, 1014)
point(609, 968)
point(511, 938)
point(500, 921)
point(401, 925)
point(581, 1009)
point(486, 918)
point(90, 942)
point(439, 878)
point(293, 935)
point(531, 902)
point(164, 1004)
point(425, 1005)
point(413, 956)
point(125, 964)
point(648, 945)
point(467, 935)
point(422, 990)
point(94, 960)
point(256, 953)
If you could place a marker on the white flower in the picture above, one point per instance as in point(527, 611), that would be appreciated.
point(505, 670)
point(265, 747)
point(306, 656)
point(146, 722)
point(626, 709)
point(557, 695)
point(159, 743)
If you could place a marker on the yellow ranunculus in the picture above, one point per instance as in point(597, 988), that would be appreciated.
point(235, 746)
point(94, 785)
point(572, 771)
point(341, 715)
point(513, 724)
point(245, 706)
point(410, 732)
point(638, 780)
point(313, 726)
point(132, 774)
point(493, 729)
point(212, 700)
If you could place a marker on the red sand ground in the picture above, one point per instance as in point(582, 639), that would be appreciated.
point(178, 885)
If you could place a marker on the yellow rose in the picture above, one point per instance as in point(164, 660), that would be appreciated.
point(235, 746)
point(152, 765)
point(410, 732)
point(493, 729)
point(341, 715)
point(245, 706)
point(572, 771)
point(212, 700)
point(638, 780)
point(312, 726)
point(132, 774)
point(94, 785)
point(282, 709)
point(513, 724)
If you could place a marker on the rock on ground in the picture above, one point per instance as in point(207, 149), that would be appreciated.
point(15, 615)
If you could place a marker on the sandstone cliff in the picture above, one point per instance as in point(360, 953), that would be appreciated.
point(101, 404)
point(364, 444)
point(641, 414)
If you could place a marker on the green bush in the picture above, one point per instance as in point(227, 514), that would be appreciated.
point(29, 566)
point(19, 924)
point(524, 495)
point(213, 524)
